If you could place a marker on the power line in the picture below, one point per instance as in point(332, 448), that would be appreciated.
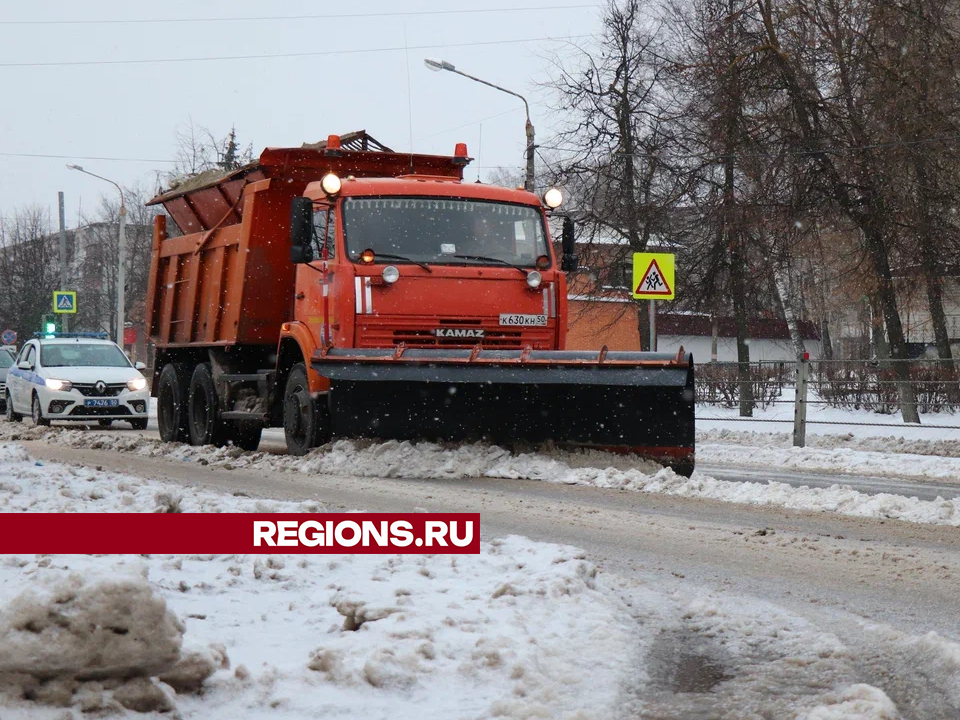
point(83, 157)
point(704, 156)
point(471, 123)
point(716, 157)
point(319, 53)
point(267, 18)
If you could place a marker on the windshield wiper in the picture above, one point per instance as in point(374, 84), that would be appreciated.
point(484, 258)
point(404, 259)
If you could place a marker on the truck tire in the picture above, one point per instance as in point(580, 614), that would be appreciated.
point(173, 391)
point(38, 419)
point(305, 424)
point(206, 427)
point(246, 435)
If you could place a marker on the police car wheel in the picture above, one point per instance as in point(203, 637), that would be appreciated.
point(11, 415)
point(105, 423)
point(38, 418)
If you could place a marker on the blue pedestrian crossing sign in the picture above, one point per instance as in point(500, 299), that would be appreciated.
point(64, 301)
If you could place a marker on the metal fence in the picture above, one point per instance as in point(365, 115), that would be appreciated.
point(869, 386)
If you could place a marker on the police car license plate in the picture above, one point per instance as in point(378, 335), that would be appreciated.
point(101, 403)
point(524, 320)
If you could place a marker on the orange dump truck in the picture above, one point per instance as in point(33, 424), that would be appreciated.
point(345, 290)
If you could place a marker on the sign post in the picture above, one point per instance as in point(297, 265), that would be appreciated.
point(653, 279)
point(9, 337)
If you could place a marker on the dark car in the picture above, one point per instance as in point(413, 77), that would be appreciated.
point(6, 362)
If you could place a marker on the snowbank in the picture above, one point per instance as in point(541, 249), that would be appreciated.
point(430, 461)
point(505, 633)
point(941, 447)
point(839, 460)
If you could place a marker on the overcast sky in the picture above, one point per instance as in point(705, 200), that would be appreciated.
point(131, 110)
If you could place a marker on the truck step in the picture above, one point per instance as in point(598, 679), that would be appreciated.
point(244, 377)
point(233, 415)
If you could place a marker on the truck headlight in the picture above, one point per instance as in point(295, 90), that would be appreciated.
point(534, 279)
point(553, 198)
point(331, 184)
point(390, 274)
point(58, 385)
point(136, 384)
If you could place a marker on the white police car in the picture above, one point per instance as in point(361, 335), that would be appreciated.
point(77, 377)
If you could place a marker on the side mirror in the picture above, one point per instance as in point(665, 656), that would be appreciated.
point(301, 230)
point(570, 262)
point(24, 365)
point(140, 366)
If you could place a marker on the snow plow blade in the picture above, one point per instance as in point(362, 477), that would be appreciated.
point(629, 402)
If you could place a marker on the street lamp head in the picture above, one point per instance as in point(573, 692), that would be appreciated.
point(438, 65)
point(75, 167)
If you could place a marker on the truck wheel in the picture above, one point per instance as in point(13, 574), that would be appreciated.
point(38, 419)
point(173, 391)
point(206, 427)
point(139, 424)
point(305, 425)
point(11, 415)
point(684, 468)
point(105, 423)
point(246, 435)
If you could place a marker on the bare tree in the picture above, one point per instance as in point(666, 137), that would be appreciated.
point(29, 267)
point(829, 87)
point(98, 260)
point(199, 150)
point(612, 154)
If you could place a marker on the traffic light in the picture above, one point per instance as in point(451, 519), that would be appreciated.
point(49, 324)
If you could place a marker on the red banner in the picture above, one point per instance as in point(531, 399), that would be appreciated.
point(232, 533)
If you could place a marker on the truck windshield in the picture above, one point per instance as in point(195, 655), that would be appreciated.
point(435, 230)
point(77, 355)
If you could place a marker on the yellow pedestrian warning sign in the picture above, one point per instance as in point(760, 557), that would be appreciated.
point(64, 301)
point(653, 276)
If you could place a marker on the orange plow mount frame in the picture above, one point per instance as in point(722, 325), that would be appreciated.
point(630, 402)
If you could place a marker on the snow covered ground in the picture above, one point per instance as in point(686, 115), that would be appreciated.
point(828, 421)
point(431, 461)
point(502, 633)
point(523, 630)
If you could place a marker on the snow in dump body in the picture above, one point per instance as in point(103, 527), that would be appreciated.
point(394, 459)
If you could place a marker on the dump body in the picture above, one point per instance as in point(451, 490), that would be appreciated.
point(228, 279)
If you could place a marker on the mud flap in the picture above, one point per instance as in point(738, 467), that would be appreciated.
point(619, 401)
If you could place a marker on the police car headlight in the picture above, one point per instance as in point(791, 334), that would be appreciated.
point(534, 279)
point(136, 384)
point(58, 385)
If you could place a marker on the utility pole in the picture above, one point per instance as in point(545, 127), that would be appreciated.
point(64, 323)
point(528, 184)
point(122, 273)
point(121, 252)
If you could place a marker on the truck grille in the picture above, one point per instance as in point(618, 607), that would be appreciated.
point(379, 332)
point(88, 389)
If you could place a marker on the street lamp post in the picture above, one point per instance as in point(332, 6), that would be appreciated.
point(121, 271)
point(438, 65)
